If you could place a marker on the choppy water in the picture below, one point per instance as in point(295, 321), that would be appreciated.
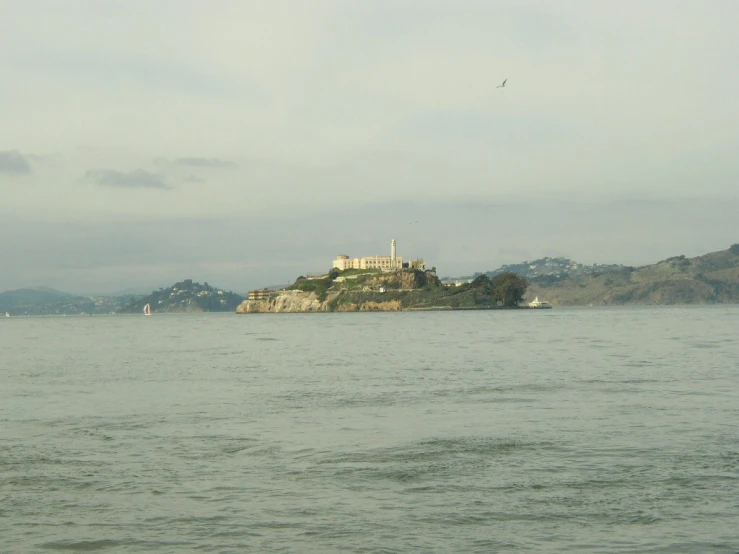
point(591, 430)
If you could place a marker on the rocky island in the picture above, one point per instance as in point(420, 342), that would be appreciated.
point(365, 290)
point(384, 284)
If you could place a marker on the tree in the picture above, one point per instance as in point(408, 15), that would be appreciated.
point(482, 281)
point(509, 288)
point(734, 249)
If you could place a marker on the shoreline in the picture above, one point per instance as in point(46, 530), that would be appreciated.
point(418, 309)
point(472, 308)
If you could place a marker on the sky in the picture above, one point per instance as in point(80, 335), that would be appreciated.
point(245, 142)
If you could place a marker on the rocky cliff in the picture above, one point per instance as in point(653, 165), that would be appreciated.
point(283, 301)
point(295, 301)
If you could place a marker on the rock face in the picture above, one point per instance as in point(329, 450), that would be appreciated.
point(286, 301)
point(295, 301)
point(371, 306)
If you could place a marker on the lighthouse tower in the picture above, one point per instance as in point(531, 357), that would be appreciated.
point(393, 256)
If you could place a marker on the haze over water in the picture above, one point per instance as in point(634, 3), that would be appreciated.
point(592, 430)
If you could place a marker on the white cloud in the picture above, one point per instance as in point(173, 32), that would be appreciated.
point(139, 178)
point(203, 162)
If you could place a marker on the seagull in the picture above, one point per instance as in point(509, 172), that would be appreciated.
point(503, 85)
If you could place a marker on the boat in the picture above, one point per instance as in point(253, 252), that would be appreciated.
point(539, 304)
point(7, 314)
point(147, 310)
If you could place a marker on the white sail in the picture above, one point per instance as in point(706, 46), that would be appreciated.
point(147, 310)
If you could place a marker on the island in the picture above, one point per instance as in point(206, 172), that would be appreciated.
point(375, 290)
point(386, 283)
point(186, 296)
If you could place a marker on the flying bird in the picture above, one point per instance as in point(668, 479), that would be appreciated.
point(503, 85)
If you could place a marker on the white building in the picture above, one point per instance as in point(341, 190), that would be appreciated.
point(393, 262)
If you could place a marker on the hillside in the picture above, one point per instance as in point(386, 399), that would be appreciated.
point(708, 279)
point(47, 301)
point(186, 296)
point(552, 268)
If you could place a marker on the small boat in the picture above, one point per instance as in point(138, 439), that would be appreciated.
point(7, 314)
point(540, 304)
point(147, 310)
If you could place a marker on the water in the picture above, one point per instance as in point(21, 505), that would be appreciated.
point(591, 430)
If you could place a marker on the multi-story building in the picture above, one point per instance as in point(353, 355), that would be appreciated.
point(260, 294)
point(393, 262)
point(384, 263)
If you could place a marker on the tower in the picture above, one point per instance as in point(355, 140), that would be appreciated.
point(393, 258)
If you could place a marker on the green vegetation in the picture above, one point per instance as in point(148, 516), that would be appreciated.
point(505, 288)
point(411, 289)
point(352, 272)
point(318, 285)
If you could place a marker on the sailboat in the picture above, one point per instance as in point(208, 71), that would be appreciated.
point(147, 310)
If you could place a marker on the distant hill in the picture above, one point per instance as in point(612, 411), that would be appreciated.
point(708, 279)
point(555, 268)
point(12, 299)
point(43, 301)
point(47, 301)
point(186, 296)
point(552, 268)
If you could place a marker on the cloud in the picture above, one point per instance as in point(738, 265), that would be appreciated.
point(350, 103)
point(457, 237)
point(193, 179)
point(135, 179)
point(14, 162)
point(203, 162)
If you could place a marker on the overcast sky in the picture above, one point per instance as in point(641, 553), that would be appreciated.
point(244, 143)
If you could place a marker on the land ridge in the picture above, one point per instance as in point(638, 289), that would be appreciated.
point(711, 278)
